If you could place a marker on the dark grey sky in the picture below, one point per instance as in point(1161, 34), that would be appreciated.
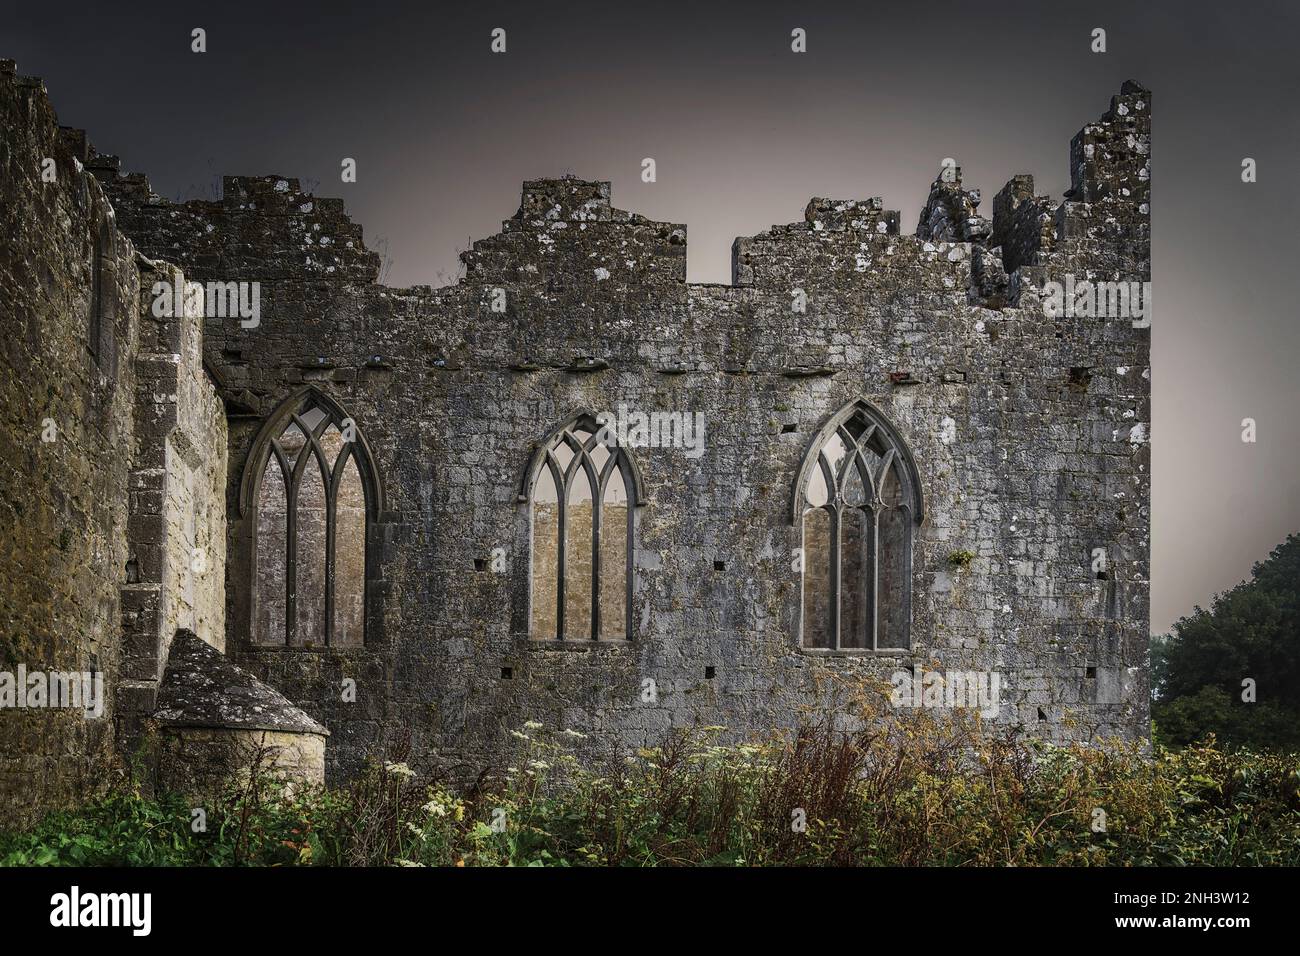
point(744, 132)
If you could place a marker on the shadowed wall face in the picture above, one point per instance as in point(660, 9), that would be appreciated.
point(112, 472)
point(67, 391)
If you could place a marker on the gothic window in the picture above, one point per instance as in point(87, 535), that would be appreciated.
point(582, 495)
point(857, 501)
point(312, 500)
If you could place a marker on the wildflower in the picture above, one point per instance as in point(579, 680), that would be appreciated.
point(408, 863)
point(399, 770)
point(539, 765)
point(532, 725)
point(575, 734)
point(521, 736)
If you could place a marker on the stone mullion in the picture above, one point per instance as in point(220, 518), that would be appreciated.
point(836, 588)
point(597, 501)
point(562, 533)
point(331, 504)
point(291, 526)
point(630, 488)
point(907, 577)
point(291, 557)
point(873, 577)
point(331, 518)
point(326, 477)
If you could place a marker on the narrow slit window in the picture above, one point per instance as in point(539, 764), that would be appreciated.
point(102, 281)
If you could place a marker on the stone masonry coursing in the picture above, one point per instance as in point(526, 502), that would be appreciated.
point(1030, 435)
point(112, 472)
point(66, 407)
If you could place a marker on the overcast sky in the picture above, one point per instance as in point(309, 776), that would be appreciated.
point(744, 132)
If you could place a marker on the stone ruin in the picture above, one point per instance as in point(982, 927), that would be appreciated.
point(358, 514)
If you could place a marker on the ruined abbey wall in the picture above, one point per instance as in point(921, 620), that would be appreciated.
point(112, 465)
point(175, 574)
point(68, 288)
point(1029, 434)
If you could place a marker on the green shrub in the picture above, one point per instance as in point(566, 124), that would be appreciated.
point(909, 791)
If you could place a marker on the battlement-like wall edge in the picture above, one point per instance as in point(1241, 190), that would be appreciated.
point(265, 227)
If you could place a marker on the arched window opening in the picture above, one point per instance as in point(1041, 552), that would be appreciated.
point(857, 501)
point(582, 494)
point(314, 494)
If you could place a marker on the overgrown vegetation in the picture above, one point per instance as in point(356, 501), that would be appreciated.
point(907, 789)
point(1234, 670)
point(961, 559)
point(914, 791)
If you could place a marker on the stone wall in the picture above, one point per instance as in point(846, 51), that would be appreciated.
point(177, 524)
point(1030, 435)
point(68, 290)
point(197, 761)
point(112, 463)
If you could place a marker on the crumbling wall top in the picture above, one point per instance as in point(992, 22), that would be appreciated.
point(570, 199)
point(262, 228)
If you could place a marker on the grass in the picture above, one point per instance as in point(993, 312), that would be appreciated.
point(914, 791)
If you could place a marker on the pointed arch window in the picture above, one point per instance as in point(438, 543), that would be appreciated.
point(312, 494)
point(857, 501)
point(582, 494)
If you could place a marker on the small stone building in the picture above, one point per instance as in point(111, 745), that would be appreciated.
point(571, 487)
